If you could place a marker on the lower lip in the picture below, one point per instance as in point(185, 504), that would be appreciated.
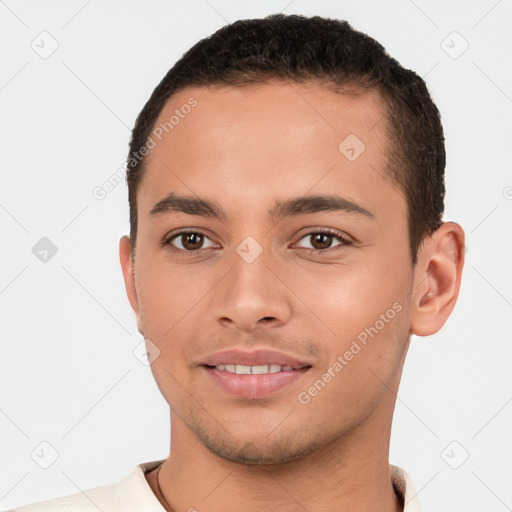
point(253, 386)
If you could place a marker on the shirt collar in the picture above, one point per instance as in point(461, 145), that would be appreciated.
point(404, 487)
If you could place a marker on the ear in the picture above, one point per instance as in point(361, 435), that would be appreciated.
point(437, 277)
point(128, 268)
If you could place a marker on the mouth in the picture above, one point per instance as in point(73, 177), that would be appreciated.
point(242, 369)
point(255, 374)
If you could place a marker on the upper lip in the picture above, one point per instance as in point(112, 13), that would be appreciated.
point(256, 357)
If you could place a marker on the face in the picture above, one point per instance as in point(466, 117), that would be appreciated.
point(272, 267)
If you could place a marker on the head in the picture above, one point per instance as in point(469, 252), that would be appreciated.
point(286, 190)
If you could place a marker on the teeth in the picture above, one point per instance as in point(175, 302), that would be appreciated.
point(242, 369)
point(258, 370)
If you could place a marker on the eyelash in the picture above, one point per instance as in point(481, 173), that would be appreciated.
point(344, 242)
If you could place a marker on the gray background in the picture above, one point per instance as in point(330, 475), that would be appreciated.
point(69, 376)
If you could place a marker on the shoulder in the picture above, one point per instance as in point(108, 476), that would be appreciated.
point(87, 501)
point(126, 495)
point(76, 502)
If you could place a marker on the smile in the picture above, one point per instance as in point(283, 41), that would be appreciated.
point(256, 373)
point(242, 369)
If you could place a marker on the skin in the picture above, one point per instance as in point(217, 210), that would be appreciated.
point(245, 149)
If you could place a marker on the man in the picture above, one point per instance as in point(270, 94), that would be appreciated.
point(286, 189)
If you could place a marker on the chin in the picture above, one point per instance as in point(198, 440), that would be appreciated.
point(265, 451)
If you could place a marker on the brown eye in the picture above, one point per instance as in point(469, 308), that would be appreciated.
point(189, 241)
point(192, 241)
point(321, 240)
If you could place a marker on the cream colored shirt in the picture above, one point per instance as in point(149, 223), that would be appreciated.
point(133, 494)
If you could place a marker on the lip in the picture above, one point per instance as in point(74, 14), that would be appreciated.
point(253, 386)
point(253, 358)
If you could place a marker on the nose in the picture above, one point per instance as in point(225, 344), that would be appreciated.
point(251, 296)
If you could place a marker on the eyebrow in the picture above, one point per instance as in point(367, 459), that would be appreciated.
point(298, 206)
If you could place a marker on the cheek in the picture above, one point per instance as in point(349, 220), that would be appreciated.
point(369, 317)
point(169, 296)
point(171, 301)
point(348, 299)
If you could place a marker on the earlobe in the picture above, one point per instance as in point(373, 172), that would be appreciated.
point(128, 268)
point(437, 278)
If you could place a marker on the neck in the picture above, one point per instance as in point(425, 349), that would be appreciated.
point(347, 475)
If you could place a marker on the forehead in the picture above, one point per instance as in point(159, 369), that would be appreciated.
point(277, 138)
